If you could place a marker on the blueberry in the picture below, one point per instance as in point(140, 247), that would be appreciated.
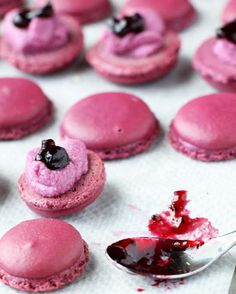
point(54, 157)
point(127, 24)
point(228, 32)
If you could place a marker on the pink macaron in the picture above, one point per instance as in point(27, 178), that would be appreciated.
point(215, 59)
point(177, 15)
point(204, 128)
point(7, 5)
point(136, 48)
point(24, 108)
point(114, 125)
point(42, 255)
point(58, 181)
point(82, 11)
point(229, 13)
point(40, 41)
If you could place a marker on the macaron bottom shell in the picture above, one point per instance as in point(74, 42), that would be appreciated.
point(51, 283)
point(48, 62)
point(219, 74)
point(85, 191)
point(132, 71)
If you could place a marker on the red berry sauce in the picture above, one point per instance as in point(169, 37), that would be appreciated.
point(176, 223)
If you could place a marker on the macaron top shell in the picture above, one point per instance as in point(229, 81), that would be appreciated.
point(168, 9)
point(109, 120)
point(72, 6)
point(229, 13)
point(208, 122)
point(21, 100)
point(40, 248)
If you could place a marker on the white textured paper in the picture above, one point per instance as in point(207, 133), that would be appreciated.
point(138, 187)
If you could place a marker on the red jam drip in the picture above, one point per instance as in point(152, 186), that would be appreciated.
point(175, 221)
point(228, 32)
point(153, 256)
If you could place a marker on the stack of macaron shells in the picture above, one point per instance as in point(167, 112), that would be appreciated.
point(83, 11)
point(113, 124)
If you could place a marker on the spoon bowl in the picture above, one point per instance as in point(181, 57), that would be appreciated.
point(165, 258)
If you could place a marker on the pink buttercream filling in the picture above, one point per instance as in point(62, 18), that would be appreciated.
point(52, 183)
point(225, 51)
point(42, 34)
point(137, 45)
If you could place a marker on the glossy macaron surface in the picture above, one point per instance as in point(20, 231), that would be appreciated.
point(40, 248)
point(208, 122)
point(109, 120)
point(72, 6)
point(170, 10)
point(21, 101)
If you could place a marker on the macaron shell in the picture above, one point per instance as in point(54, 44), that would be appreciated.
point(220, 74)
point(177, 15)
point(229, 13)
point(7, 5)
point(24, 108)
point(131, 71)
point(204, 127)
point(43, 251)
point(109, 120)
point(85, 191)
point(48, 284)
point(48, 62)
point(84, 11)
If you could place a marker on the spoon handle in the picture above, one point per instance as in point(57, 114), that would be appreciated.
point(229, 238)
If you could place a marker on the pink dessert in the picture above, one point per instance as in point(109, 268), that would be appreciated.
point(229, 13)
point(48, 254)
point(82, 11)
point(7, 5)
point(24, 108)
point(215, 59)
point(110, 133)
point(177, 224)
point(177, 15)
point(204, 128)
point(61, 180)
point(137, 48)
point(40, 41)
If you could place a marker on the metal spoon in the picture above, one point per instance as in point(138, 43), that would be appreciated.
point(168, 259)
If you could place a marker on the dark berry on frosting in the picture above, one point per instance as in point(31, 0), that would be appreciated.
point(21, 19)
point(46, 11)
point(127, 24)
point(228, 32)
point(24, 17)
point(54, 157)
